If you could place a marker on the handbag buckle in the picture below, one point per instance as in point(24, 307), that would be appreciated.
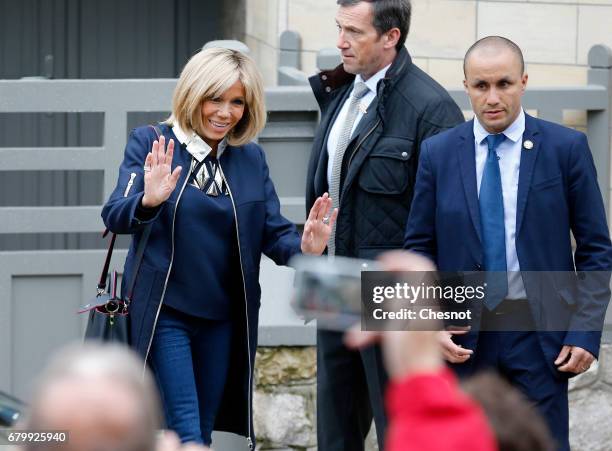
point(112, 306)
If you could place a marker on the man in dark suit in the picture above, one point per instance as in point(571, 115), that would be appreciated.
point(376, 108)
point(502, 193)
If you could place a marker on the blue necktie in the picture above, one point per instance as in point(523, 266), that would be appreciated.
point(491, 204)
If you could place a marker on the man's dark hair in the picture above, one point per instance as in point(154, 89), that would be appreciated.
point(388, 14)
point(515, 422)
point(497, 42)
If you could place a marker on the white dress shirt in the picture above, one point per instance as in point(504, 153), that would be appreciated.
point(509, 154)
point(196, 146)
point(366, 100)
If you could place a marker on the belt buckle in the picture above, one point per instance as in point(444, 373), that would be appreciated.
point(508, 306)
point(502, 308)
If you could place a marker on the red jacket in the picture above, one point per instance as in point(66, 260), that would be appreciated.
point(428, 412)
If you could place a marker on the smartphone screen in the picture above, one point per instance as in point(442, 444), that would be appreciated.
point(329, 289)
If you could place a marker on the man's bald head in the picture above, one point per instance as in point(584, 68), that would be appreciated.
point(493, 45)
point(100, 414)
point(495, 81)
point(102, 396)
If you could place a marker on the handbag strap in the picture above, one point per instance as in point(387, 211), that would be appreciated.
point(109, 254)
point(139, 252)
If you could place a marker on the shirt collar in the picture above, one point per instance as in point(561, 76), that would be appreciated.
point(196, 146)
point(374, 79)
point(514, 132)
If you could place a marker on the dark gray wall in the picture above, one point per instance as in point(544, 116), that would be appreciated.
point(91, 39)
point(110, 38)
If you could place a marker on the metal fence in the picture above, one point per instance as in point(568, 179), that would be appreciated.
point(41, 289)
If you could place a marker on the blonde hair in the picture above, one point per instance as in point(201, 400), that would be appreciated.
point(207, 75)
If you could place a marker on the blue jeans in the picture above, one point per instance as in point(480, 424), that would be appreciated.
point(190, 359)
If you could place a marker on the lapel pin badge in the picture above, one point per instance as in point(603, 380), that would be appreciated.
point(363, 108)
point(528, 144)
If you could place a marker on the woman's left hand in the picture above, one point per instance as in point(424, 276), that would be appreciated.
point(318, 226)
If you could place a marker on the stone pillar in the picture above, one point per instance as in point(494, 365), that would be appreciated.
point(599, 121)
point(290, 47)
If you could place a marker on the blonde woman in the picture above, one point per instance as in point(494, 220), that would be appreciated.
point(205, 189)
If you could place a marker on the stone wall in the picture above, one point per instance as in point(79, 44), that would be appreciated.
point(285, 399)
point(555, 36)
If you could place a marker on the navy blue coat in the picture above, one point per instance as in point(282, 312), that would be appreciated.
point(558, 195)
point(260, 229)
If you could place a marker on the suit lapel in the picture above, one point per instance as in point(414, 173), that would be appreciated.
point(528, 159)
point(467, 167)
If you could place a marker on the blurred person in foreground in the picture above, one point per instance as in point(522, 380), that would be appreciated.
point(204, 189)
point(427, 409)
point(99, 394)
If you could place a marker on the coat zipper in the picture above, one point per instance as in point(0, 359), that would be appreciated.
point(125, 194)
point(249, 439)
point(161, 301)
point(360, 143)
point(129, 185)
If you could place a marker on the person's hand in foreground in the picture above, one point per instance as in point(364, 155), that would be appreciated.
point(426, 409)
point(406, 351)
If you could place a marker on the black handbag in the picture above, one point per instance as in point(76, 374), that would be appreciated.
point(108, 311)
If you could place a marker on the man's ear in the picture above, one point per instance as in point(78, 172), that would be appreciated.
point(392, 37)
point(524, 79)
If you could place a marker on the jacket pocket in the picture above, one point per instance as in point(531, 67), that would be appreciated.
point(387, 168)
